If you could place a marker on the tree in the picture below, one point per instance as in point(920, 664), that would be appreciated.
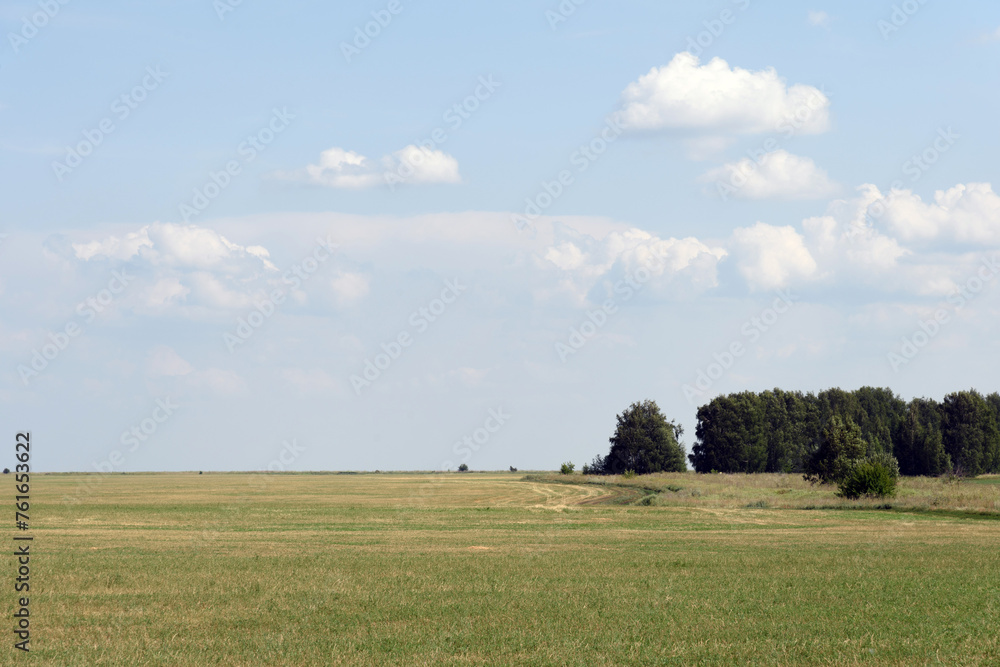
point(841, 446)
point(732, 435)
point(567, 468)
point(970, 432)
point(463, 468)
point(644, 441)
point(919, 446)
point(880, 415)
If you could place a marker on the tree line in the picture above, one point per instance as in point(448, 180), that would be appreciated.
point(783, 431)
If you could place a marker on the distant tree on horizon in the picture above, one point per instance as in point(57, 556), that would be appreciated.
point(644, 442)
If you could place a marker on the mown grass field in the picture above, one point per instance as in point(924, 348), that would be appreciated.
point(471, 569)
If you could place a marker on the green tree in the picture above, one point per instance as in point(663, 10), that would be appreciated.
point(841, 446)
point(919, 446)
point(970, 432)
point(732, 435)
point(644, 441)
point(880, 416)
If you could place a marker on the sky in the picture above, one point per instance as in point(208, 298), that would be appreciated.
point(405, 235)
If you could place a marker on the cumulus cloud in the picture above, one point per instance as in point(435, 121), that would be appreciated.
point(583, 262)
point(854, 246)
point(168, 244)
point(176, 265)
point(113, 247)
point(718, 98)
point(771, 257)
point(779, 175)
point(851, 250)
point(340, 168)
point(968, 213)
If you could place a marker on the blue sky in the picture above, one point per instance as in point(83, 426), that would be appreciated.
point(870, 214)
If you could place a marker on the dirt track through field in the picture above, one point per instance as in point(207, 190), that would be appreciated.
point(561, 496)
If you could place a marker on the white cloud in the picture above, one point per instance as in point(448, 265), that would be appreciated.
point(780, 175)
point(165, 292)
point(183, 266)
point(818, 18)
point(163, 361)
point(968, 213)
point(168, 244)
point(852, 249)
point(715, 97)
point(339, 168)
point(846, 245)
point(124, 248)
point(349, 287)
point(583, 261)
point(771, 257)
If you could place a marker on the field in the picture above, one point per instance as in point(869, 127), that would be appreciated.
point(502, 569)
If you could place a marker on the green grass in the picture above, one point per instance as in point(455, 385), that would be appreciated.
point(187, 569)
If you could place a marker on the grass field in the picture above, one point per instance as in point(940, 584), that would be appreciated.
point(469, 569)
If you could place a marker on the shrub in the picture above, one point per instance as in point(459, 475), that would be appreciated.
point(596, 467)
point(874, 477)
point(628, 474)
point(463, 468)
point(567, 468)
